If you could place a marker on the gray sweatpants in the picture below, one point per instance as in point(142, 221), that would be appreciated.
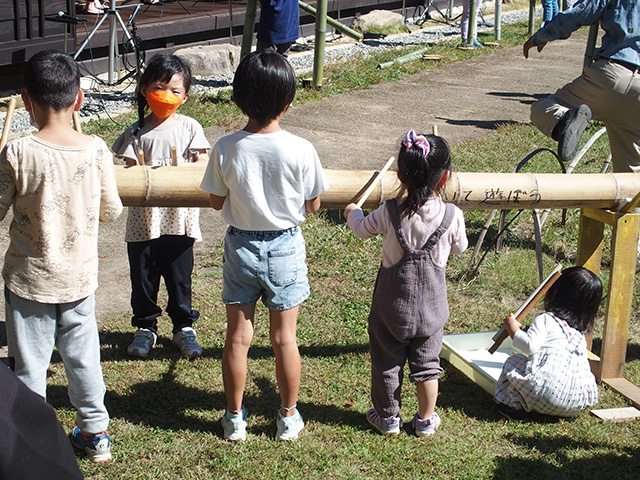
point(33, 329)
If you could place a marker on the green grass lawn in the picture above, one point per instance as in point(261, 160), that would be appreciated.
point(165, 410)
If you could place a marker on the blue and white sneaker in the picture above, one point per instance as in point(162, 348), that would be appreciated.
point(143, 341)
point(289, 427)
point(97, 447)
point(234, 425)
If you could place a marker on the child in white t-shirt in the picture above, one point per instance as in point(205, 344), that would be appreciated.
point(264, 180)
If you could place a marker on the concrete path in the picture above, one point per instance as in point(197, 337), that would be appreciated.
point(361, 129)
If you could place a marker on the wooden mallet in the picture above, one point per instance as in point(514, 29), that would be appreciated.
point(375, 181)
point(7, 122)
point(527, 306)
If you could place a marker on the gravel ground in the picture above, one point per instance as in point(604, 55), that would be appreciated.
point(100, 103)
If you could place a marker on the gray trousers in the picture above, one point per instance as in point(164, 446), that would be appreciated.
point(33, 329)
point(388, 356)
point(612, 92)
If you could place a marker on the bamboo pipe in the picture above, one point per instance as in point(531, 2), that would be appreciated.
point(168, 187)
point(334, 23)
point(318, 50)
point(249, 27)
point(7, 122)
point(174, 156)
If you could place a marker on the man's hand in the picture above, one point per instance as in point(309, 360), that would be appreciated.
point(528, 46)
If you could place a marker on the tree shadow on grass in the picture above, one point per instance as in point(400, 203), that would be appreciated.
point(484, 124)
point(623, 464)
point(169, 403)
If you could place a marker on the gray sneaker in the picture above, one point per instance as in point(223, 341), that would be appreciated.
point(569, 131)
point(185, 340)
point(143, 341)
point(426, 427)
point(386, 426)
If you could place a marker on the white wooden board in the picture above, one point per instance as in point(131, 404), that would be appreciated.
point(468, 352)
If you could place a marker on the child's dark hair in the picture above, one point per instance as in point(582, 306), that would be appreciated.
point(162, 67)
point(264, 86)
point(575, 298)
point(420, 173)
point(52, 79)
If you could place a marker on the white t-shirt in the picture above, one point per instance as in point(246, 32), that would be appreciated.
point(266, 179)
point(544, 332)
point(186, 134)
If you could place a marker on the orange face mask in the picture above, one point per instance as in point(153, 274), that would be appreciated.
point(162, 103)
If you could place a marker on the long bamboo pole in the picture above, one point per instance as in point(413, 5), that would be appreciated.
point(471, 29)
point(249, 26)
point(173, 187)
point(321, 36)
point(334, 23)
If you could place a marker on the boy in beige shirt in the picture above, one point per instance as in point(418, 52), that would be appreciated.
point(60, 183)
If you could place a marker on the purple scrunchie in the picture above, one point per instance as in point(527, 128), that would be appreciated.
point(420, 141)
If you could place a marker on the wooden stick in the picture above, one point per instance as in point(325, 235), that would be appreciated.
point(528, 305)
point(368, 191)
point(435, 130)
point(140, 157)
point(76, 122)
point(7, 122)
point(174, 156)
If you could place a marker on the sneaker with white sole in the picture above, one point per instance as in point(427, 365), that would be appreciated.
point(143, 341)
point(384, 425)
point(569, 130)
point(427, 426)
point(234, 425)
point(97, 447)
point(186, 342)
point(289, 427)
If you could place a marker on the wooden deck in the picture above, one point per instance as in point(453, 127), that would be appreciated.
point(161, 27)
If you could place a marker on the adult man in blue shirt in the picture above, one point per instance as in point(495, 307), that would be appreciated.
point(609, 88)
point(279, 24)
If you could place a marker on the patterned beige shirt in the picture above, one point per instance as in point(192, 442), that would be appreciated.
point(59, 194)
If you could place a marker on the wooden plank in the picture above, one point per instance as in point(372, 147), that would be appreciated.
point(590, 241)
point(615, 334)
point(625, 388)
point(616, 415)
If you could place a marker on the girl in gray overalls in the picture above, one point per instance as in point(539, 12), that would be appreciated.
point(409, 306)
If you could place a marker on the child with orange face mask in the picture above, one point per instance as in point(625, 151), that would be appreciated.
point(160, 239)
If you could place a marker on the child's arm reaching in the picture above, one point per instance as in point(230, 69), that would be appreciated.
point(349, 208)
point(200, 159)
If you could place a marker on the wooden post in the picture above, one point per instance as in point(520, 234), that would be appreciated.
point(318, 51)
point(249, 25)
point(624, 250)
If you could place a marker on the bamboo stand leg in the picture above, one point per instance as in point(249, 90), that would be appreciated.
point(624, 248)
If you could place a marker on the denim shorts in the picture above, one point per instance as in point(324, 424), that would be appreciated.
point(268, 265)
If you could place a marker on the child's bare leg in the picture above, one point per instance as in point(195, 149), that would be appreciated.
point(427, 396)
point(234, 356)
point(282, 332)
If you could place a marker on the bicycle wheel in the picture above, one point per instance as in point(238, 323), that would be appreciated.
point(418, 17)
